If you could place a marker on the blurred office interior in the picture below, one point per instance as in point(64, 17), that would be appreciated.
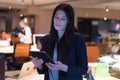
point(97, 20)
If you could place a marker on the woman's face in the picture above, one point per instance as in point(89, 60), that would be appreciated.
point(60, 20)
point(21, 24)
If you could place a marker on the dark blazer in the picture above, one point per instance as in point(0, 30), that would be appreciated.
point(75, 57)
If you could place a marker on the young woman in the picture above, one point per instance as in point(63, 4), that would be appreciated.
point(67, 48)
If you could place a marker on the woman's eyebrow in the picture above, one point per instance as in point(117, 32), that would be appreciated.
point(57, 15)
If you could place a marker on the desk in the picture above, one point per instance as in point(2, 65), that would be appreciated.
point(7, 49)
point(110, 77)
point(10, 49)
point(106, 78)
point(33, 76)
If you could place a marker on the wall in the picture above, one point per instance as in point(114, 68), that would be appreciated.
point(96, 13)
point(15, 20)
point(43, 17)
point(2, 23)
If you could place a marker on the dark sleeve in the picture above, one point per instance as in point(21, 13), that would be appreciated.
point(81, 56)
point(42, 71)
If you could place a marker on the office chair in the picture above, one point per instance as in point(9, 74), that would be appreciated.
point(21, 55)
point(15, 40)
point(93, 53)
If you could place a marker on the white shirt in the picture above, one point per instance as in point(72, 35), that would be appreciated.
point(28, 35)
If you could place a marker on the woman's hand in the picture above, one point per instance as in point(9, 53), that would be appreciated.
point(57, 66)
point(37, 62)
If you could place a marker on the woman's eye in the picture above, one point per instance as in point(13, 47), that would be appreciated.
point(63, 19)
point(57, 18)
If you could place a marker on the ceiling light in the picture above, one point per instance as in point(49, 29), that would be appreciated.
point(107, 9)
point(105, 18)
point(9, 7)
point(21, 15)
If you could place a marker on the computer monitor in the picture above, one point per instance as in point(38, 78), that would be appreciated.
point(37, 37)
point(2, 66)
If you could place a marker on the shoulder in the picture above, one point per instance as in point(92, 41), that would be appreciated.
point(78, 36)
point(27, 28)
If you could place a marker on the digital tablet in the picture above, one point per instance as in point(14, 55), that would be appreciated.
point(42, 55)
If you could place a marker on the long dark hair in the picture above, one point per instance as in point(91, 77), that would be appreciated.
point(67, 36)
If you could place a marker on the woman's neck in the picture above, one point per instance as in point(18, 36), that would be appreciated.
point(60, 34)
